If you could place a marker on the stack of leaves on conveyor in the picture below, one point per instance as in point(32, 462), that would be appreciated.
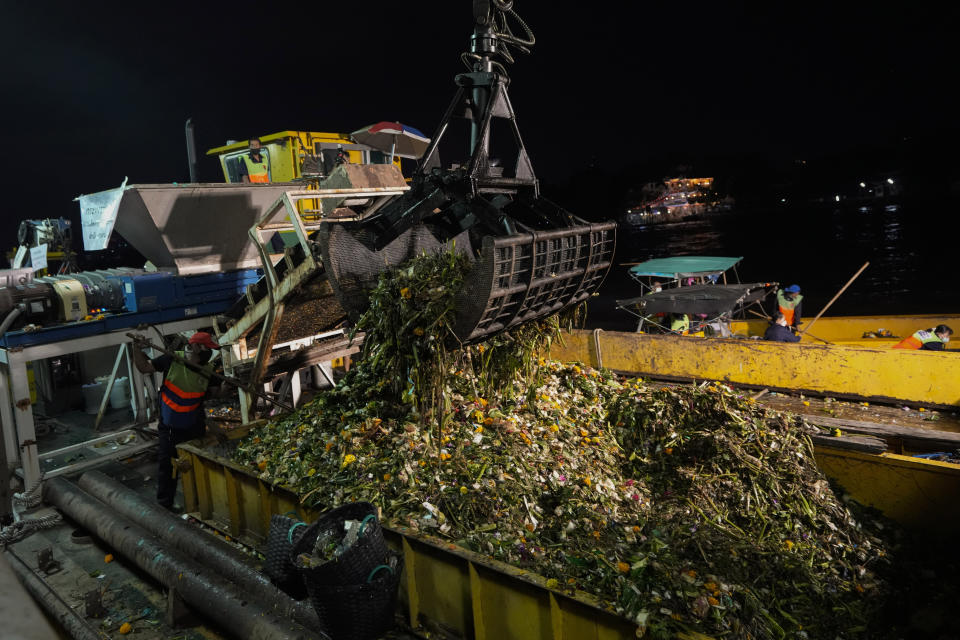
point(684, 509)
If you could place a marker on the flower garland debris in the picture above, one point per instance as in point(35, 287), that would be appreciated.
point(684, 508)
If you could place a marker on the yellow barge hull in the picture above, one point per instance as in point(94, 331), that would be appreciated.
point(446, 587)
point(921, 378)
point(851, 329)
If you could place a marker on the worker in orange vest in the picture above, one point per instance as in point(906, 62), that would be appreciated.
point(788, 303)
point(935, 339)
point(255, 164)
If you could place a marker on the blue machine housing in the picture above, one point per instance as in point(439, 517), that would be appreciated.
point(150, 298)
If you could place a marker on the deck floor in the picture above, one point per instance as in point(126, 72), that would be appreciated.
point(129, 595)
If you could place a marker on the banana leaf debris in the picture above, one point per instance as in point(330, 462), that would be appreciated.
point(682, 508)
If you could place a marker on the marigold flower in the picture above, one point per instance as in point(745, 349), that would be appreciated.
point(710, 586)
point(587, 481)
point(328, 446)
point(348, 459)
point(262, 465)
point(464, 491)
point(623, 567)
point(405, 293)
point(669, 450)
point(554, 428)
point(713, 601)
point(788, 544)
point(386, 477)
point(692, 573)
point(529, 527)
point(418, 331)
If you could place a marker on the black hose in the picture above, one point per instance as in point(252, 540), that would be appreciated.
point(200, 546)
point(67, 618)
point(205, 590)
point(11, 318)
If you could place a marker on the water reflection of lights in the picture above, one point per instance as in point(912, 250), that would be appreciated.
point(864, 209)
point(890, 208)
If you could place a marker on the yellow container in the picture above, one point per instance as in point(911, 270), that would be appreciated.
point(444, 585)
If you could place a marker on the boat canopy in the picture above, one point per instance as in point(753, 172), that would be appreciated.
point(706, 299)
point(684, 266)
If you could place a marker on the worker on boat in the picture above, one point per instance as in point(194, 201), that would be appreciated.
point(680, 324)
point(255, 164)
point(185, 384)
point(934, 339)
point(788, 303)
point(778, 331)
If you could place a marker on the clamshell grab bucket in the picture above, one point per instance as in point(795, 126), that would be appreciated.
point(514, 279)
point(524, 277)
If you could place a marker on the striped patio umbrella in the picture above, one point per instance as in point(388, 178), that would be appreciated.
point(394, 138)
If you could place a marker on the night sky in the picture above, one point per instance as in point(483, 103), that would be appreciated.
point(94, 94)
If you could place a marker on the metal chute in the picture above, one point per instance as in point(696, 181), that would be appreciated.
point(531, 257)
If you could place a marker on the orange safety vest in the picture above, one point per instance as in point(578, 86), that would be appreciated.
point(917, 340)
point(182, 395)
point(257, 171)
point(787, 306)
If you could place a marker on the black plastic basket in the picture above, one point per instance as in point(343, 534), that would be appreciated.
point(361, 611)
point(354, 566)
point(283, 534)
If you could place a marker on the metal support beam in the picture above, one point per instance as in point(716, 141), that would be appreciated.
point(109, 387)
point(16, 412)
point(202, 588)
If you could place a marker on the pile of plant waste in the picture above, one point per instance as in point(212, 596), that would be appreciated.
point(682, 508)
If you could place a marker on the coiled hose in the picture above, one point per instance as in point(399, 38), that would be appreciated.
point(23, 528)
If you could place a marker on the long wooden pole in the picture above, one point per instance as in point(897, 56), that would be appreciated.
point(834, 299)
point(766, 317)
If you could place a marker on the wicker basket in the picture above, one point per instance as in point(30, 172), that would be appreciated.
point(284, 533)
point(356, 563)
point(361, 611)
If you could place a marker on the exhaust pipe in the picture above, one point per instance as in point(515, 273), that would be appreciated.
point(206, 591)
point(191, 150)
point(201, 547)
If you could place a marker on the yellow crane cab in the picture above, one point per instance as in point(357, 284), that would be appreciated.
point(294, 155)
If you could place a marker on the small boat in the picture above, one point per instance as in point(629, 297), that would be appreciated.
point(693, 286)
point(677, 200)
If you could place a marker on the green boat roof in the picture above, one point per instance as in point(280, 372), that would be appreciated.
point(684, 266)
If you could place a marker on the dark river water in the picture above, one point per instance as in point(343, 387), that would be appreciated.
point(912, 255)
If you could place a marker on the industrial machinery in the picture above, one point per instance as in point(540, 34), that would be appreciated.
point(53, 233)
point(298, 154)
point(532, 258)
